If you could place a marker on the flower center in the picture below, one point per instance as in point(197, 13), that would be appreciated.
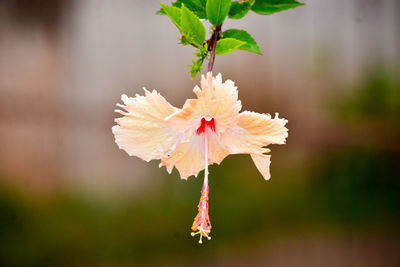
point(209, 122)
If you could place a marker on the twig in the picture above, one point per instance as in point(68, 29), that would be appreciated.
point(212, 44)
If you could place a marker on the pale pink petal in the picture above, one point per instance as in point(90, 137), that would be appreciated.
point(215, 99)
point(217, 150)
point(263, 127)
point(188, 157)
point(182, 120)
point(240, 141)
point(218, 100)
point(142, 131)
point(253, 132)
point(262, 163)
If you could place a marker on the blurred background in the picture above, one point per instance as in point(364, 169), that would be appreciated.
point(70, 197)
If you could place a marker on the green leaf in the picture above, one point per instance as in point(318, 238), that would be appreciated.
point(217, 10)
point(227, 45)
point(173, 13)
point(161, 12)
point(239, 9)
point(191, 26)
point(267, 7)
point(197, 6)
point(241, 35)
point(178, 3)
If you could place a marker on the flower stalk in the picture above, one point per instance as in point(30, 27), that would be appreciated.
point(212, 45)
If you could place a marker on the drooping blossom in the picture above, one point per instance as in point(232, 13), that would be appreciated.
point(203, 132)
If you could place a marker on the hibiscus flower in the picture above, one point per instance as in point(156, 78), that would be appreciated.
point(203, 132)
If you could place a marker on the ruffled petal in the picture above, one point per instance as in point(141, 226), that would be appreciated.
point(263, 128)
point(215, 99)
point(218, 100)
point(239, 141)
point(182, 120)
point(188, 157)
point(142, 131)
point(262, 163)
point(217, 150)
point(252, 133)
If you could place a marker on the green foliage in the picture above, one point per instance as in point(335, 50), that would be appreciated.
point(191, 27)
point(217, 10)
point(201, 55)
point(240, 8)
point(227, 45)
point(196, 6)
point(173, 13)
point(241, 35)
point(186, 15)
point(267, 7)
point(162, 11)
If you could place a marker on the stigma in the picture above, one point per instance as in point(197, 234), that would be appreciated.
point(204, 123)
